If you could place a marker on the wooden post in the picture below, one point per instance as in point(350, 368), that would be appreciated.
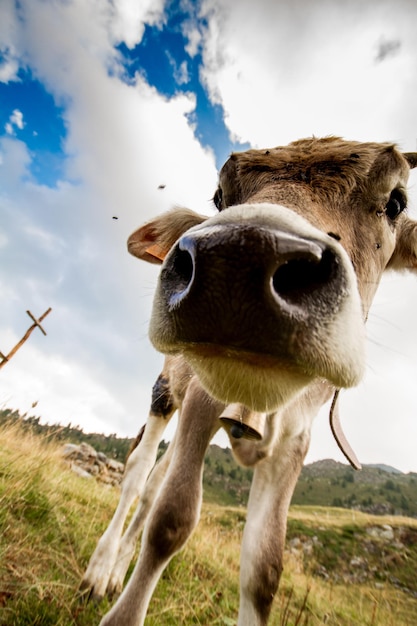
point(36, 324)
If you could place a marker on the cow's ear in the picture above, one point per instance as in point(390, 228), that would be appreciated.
point(154, 240)
point(405, 253)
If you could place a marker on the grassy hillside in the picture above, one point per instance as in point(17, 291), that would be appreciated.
point(340, 567)
point(375, 489)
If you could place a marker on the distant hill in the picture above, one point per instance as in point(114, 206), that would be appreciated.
point(386, 468)
point(375, 489)
point(378, 489)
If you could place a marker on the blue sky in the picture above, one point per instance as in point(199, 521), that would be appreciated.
point(40, 125)
point(102, 103)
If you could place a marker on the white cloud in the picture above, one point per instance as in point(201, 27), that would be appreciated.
point(16, 118)
point(15, 121)
point(194, 40)
point(180, 72)
point(9, 69)
point(33, 375)
point(191, 30)
point(9, 65)
point(96, 365)
point(14, 163)
point(130, 16)
point(314, 69)
point(45, 239)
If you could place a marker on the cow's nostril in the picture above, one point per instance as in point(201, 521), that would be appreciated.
point(178, 275)
point(296, 279)
point(184, 268)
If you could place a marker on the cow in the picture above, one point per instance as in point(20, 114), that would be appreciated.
point(261, 311)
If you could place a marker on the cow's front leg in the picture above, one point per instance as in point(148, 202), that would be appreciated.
point(264, 536)
point(131, 536)
point(138, 466)
point(176, 510)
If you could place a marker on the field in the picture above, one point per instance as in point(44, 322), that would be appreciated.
point(341, 567)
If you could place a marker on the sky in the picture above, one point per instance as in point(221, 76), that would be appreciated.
point(126, 108)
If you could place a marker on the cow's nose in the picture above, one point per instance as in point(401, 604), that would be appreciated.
point(288, 266)
point(247, 288)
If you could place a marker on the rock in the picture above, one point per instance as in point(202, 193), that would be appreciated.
point(86, 462)
point(87, 450)
point(80, 471)
point(69, 449)
point(116, 466)
point(384, 532)
point(94, 470)
point(387, 533)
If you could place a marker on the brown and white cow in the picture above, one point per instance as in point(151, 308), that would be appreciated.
point(261, 311)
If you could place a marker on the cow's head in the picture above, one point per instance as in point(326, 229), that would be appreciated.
point(273, 292)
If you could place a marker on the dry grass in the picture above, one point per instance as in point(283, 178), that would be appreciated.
point(50, 520)
point(336, 517)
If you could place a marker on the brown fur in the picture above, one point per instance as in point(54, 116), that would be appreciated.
point(324, 168)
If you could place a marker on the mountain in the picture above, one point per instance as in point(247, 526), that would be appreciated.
point(377, 489)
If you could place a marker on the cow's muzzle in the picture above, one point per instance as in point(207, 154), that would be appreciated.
point(260, 302)
point(247, 288)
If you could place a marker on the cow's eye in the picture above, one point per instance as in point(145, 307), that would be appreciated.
point(395, 205)
point(218, 198)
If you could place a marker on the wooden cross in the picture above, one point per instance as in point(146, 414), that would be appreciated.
point(36, 324)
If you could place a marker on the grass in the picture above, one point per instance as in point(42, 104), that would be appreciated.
point(50, 520)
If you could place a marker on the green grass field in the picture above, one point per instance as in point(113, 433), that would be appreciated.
point(336, 571)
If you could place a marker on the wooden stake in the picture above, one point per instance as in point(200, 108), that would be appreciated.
point(36, 324)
